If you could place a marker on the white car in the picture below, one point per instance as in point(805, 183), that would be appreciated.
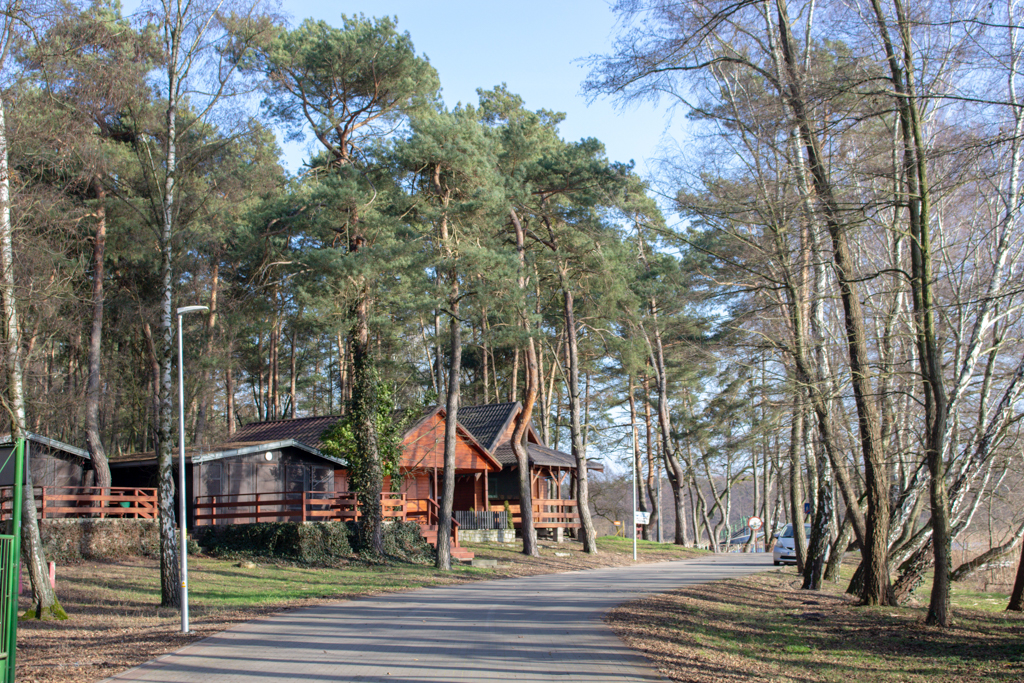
point(785, 545)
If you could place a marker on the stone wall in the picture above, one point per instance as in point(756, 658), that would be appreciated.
point(487, 535)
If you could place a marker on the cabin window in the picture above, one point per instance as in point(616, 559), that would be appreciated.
point(212, 470)
point(320, 478)
point(296, 480)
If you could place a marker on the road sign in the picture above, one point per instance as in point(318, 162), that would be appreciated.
point(641, 517)
point(807, 508)
point(754, 523)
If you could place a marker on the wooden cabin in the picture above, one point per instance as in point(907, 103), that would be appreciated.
point(278, 471)
point(551, 471)
point(53, 463)
point(63, 483)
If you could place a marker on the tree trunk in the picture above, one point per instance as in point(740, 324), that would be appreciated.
point(44, 598)
point(519, 433)
point(991, 555)
point(205, 386)
point(653, 493)
point(92, 391)
point(364, 405)
point(676, 475)
point(638, 486)
point(444, 521)
point(229, 389)
point(292, 393)
point(1017, 597)
point(818, 543)
point(170, 575)
point(842, 542)
point(796, 480)
point(589, 536)
point(877, 585)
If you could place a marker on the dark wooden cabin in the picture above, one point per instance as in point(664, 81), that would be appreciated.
point(53, 463)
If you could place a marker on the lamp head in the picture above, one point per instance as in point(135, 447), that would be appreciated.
point(190, 309)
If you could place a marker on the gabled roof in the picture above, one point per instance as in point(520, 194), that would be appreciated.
point(206, 454)
point(6, 440)
point(488, 422)
point(305, 430)
point(440, 411)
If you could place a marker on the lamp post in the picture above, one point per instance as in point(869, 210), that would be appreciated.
point(632, 468)
point(181, 469)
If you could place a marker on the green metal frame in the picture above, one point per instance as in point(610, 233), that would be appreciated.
point(10, 566)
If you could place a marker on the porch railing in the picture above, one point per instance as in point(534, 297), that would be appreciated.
point(547, 513)
point(86, 501)
point(469, 520)
point(292, 506)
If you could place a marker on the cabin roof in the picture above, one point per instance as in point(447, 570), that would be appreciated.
point(431, 411)
point(541, 456)
point(305, 430)
point(6, 440)
point(488, 422)
point(230, 450)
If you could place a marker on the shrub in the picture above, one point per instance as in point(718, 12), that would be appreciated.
point(403, 541)
point(72, 540)
point(314, 543)
point(508, 516)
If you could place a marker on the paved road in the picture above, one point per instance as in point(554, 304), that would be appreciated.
point(540, 628)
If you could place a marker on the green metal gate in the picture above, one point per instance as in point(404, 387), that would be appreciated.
point(10, 563)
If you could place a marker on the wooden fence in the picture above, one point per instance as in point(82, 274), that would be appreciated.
point(87, 501)
point(290, 506)
point(548, 513)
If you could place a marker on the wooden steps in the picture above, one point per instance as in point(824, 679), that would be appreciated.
point(429, 532)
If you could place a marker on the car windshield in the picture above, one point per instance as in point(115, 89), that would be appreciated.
point(788, 531)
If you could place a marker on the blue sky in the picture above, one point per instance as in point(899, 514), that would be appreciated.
point(532, 46)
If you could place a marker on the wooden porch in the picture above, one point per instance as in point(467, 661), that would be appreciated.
point(86, 501)
point(322, 506)
point(548, 513)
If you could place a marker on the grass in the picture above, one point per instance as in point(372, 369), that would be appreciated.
point(649, 549)
point(763, 627)
point(220, 584)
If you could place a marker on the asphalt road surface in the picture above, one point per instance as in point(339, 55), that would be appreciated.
point(540, 628)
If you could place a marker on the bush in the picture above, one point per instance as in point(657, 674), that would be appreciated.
point(314, 543)
point(403, 540)
point(72, 540)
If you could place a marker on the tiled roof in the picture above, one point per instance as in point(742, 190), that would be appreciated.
point(487, 422)
point(305, 430)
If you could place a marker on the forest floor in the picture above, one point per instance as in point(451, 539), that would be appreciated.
point(764, 628)
point(116, 622)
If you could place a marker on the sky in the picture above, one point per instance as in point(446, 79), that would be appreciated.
point(532, 46)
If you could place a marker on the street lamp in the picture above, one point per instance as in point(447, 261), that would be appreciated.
point(632, 468)
point(181, 468)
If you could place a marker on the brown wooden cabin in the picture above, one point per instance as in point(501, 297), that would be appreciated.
point(247, 478)
point(53, 463)
point(551, 471)
point(63, 478)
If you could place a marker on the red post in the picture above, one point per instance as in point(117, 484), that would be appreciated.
point(303, 506)
point(52, 571)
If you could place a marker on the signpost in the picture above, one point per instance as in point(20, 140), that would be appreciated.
point(754, 523)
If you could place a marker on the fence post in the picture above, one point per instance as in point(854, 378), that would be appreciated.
point(303, 506)
point(42, 502)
